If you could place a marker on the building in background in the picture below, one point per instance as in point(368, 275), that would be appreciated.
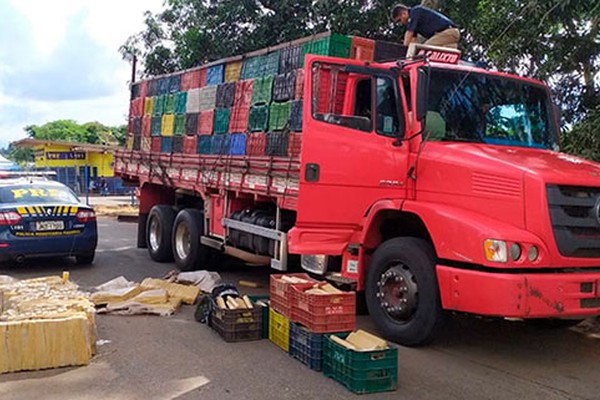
point(81, 166)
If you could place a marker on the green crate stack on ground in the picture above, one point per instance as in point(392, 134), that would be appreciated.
point(180, 102)
point(279, 116)
point(221, 124)
point(159, 106)
point(179, 128)
point(360, 371)
point(170, 104)
point(263, 90)
point(334, 45)
point(258, 118)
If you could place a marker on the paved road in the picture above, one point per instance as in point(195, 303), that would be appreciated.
point(177, 358)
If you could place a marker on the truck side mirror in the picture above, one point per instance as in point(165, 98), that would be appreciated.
point(422, 94)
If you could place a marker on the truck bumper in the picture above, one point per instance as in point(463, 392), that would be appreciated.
point(539, 295)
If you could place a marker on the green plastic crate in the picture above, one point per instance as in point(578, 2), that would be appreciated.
point(170, 104)
point(179, 125)
point(252, 67)
point(180, 102)
point(221, 124)
point(159, 106)
point(262, 90)
point(258, 118)
point(279, 115)
point(335, 45)
point(265, 312)
point(360, 371)
point(156, 127)
point(270, 64)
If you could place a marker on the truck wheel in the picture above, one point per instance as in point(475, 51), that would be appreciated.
point(188, 252)
point(402, 291)
point(158, 232)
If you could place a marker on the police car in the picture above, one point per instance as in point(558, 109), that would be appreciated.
point(42, 218)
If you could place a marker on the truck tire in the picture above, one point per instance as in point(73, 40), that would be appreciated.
point(188, 252)
point(158, 233)
point(402, 291)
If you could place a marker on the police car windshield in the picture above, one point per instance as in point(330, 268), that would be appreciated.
point(472, 107)
point(36, 194)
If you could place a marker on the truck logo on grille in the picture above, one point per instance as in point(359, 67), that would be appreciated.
point(597, 210)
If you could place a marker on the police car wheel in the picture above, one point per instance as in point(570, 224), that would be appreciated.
point(84, 259)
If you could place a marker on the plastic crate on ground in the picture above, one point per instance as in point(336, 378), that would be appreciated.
point(225, 95)
point(284, 86)
point(388, 51)
point(279, 116)
point(290, 59)
point(166, 144)
point(221, 120)
point(243, 93)
point(206, 121)
point(362, 49)
point(170, 104)
point(263, 90)
point(237, 144)
point(190, 144)
point(279, 330)
point(191, 124)
point(156, 128)
point(233, 71)
point(360, 371)
point(256, 144)
point(237, 325)
point(204, 144)
point(307, 347)
point(168, 125)
point(146, 125)
point(258, 118)
point(280, 290)
point(334, 45)
point(334, 312)
point(238, 120)
point(179, 127)
point(215, 74)
point(180, 102)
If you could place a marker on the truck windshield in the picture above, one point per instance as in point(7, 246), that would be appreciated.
point(471, 107)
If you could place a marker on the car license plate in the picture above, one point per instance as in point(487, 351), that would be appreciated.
point(49, 226)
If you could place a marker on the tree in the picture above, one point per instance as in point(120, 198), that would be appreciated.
point(583, 140)
point(19, 155)
point(71, 131)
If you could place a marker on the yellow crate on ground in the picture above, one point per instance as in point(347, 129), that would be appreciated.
point(279, 330)
point(168, 125)
point(233, 70)
point(148, 105)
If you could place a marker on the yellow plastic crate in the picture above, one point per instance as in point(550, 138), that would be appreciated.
point(148, 105)
point(233, 70)
point(279, 330)
point(168, 125)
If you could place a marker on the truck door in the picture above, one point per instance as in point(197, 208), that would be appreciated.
point(351, 155)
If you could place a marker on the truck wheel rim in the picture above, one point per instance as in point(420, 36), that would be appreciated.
point(155, 235)
point(182, 241)
point(398, 292)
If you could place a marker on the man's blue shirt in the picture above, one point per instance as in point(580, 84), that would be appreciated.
point(427, 22)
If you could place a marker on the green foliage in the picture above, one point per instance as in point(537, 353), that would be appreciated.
point(584, 139)
point(71, 131)
point(19, 155)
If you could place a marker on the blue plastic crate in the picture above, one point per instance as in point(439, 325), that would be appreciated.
point(307, 347)
point(166, 144)
point(237, 144)
point(175, 84)
point(296, 116)
point(220, 144)
point(214, 75)
point(204, 144)
point(163, 85)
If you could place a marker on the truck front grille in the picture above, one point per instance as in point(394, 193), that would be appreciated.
point(575, 217)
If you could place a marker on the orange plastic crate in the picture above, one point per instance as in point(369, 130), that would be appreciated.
point(362, 49)
point(206, 122)
point(281, 295)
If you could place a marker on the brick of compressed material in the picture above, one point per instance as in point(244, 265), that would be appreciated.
point(279, 116)
point(180, 102)
point(191, 124)
point(296, 116)
point(225, 95)
point(290, 59)
point(237, 144)
point(284, 86)
point(258, 118)
point(148, 105)
point(170, 104)
point(156, 129)
point(242, 96)
point(206, 122)
point(262, 90)
point(159, 106)
point(179, 127)
point(168, 125)
point(221, 120)
point(233, 71)
point(215, 74)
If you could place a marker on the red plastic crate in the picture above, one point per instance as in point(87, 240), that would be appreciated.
point(332, 89)
point(146, 125)
point(202, 77)
point(143, 89)
point(323, 304)
point(155, 144)
point(324, 323)
point(238, 120)
point(294, 144)
point(299, 92)
point(243, 93)
point(280, 306)
point(190, 80)
point(130, 125)
point(206, 122)
point(281, 295)
point(137, 107)
point(190, 144)
point(256, 144)
point(362, 49)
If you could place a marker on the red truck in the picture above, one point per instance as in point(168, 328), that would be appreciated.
point(431, 187)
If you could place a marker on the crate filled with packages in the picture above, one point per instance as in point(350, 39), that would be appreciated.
point(322, 308)
point(236, 318)
point(281, 290)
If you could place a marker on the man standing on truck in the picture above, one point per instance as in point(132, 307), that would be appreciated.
point(435, 27)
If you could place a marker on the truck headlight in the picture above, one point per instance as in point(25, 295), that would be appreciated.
point(316, 264)
point(495, 250)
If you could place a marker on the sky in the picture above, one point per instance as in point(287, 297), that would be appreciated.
point(59, 59)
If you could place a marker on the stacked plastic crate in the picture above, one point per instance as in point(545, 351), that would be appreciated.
point(249, 105)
